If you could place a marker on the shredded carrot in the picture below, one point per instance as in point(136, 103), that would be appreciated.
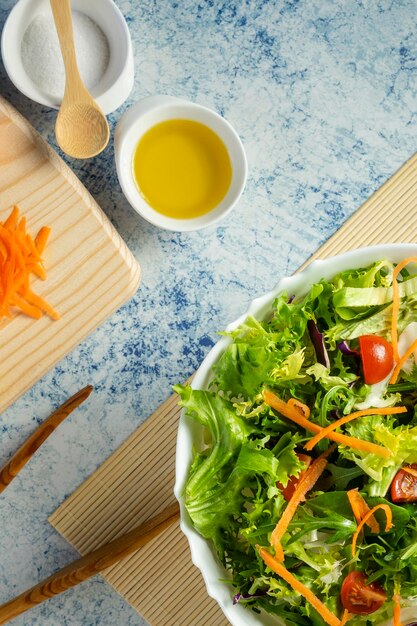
point(11, 222)
point(401, 362)
point(348, 418)
point(396, 306)
point(26, 307)
point(345, 617)
point(36, 300)
point(37, 269)
point(297, 404)
point(41, 238)
point(295, 415)
point(20, 257)
point(282, 571)
point(397, 609)
point(360, 509)
point(362, 523)
point(307, 482)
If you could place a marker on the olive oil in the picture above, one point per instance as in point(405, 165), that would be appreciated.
point(182, 168)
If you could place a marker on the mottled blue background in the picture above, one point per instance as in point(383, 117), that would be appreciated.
point(323, 95)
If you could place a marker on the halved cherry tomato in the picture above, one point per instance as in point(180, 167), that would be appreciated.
point(288, 491)
point(377, 358)
point(359, 598)
point(404, 486)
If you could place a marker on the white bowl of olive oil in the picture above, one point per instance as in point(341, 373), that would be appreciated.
point(181, 166)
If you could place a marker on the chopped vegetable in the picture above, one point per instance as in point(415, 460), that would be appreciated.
point(294, 481)
point(306, 483)
point(397, 609)
point(404, 485)
point(368, 515)
point(360, 509)
point(345, 618)
point(20, 257)
point(281, 570)
point(411, 469)
point(410, 350)
point(318, 343)
point(325, 432)
point(293, 402)
point(377, 358)
point(360, 598)
point(396, 304)
point(279, 405)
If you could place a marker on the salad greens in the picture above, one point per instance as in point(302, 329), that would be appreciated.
point(248, 452)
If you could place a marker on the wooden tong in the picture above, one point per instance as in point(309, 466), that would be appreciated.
point(90, 564)
point(11, 469)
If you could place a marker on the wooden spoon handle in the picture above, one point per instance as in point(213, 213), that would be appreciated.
point(91, 564)
point(61, 10)
point(29, 447)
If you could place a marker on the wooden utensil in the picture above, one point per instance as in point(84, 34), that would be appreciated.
point(11, 469)
point(81, 127)
point(91, 564)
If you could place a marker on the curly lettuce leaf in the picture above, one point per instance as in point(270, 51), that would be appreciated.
point(400, 440)
point(235, 460)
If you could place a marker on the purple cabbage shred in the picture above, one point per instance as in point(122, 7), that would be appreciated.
point(318, 343)
point(243, 597)
point(347, 350)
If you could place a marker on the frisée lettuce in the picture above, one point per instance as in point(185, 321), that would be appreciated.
point(250, 454)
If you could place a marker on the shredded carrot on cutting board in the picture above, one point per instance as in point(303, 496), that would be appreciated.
point(20, 256)
point(360, 509)
point(307, 482)
point(348, 418)
point(364, 520)
point(295, 415)
point(298, 586)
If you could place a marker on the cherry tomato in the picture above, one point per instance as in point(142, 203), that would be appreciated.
point(358, 597)
point(377, 358)
point(404, 486)
point(288, 491)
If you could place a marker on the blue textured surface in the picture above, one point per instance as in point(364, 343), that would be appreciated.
point(322, 93)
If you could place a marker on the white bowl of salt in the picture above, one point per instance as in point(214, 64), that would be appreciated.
point(32, 57)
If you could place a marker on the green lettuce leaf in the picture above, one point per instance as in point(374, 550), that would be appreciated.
point(235, 460)
point(399, 439)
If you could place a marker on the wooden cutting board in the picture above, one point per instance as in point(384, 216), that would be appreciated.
point(91, 272)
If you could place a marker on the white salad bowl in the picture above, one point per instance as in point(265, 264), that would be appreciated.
point(189, 431)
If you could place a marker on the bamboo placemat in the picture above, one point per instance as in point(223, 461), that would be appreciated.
point(136, 482)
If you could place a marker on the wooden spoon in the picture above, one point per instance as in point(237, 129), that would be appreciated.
point(91, 564)
point(81, 127)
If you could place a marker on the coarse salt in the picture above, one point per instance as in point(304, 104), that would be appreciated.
point(41, 54)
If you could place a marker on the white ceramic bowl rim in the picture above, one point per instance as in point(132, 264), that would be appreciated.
point(117, 81)
point(202, 554)
point(150, 111)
